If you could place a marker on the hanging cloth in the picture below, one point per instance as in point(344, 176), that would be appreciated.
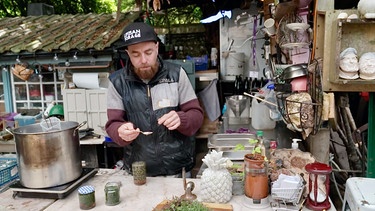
point(210, 100)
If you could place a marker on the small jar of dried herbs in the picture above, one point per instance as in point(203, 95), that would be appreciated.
point(86, 195)
point(112, 193)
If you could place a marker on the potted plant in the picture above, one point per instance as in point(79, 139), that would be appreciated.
point(237, 170)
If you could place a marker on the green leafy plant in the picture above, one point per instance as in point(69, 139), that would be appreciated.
point(177, 204)
point(253, 141)
point(240, 147)
point(256, 150)
point(236, 170)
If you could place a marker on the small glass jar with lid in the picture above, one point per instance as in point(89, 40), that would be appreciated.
point(86, 195)
point(112, 193)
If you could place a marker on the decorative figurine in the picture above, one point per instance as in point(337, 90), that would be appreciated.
point(367, 66)
point(188, 187)
point(349, 64)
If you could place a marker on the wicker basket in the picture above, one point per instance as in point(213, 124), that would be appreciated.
point(22, 71)
point(305, 114)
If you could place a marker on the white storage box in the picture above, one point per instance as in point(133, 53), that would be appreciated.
point(359, 194)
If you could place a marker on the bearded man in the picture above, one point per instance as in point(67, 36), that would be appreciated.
point(156, 96)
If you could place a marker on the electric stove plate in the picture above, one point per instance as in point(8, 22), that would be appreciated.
point(57, 192)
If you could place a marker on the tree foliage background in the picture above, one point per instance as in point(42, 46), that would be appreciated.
point(13, 8)
point(170, 16)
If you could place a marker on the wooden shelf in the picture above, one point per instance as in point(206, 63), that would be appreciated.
point(83, 65)
point(339, 35)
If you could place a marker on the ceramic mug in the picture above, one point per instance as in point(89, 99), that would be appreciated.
point(270, 27)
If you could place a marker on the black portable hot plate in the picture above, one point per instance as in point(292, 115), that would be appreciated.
point(57, 192)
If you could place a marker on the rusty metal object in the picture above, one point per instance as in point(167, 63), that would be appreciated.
point(188, 187)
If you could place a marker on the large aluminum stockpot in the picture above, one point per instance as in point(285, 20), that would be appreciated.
point(48, 159)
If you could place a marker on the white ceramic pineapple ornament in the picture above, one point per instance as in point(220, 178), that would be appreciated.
point(366, 8)
point(216, 181)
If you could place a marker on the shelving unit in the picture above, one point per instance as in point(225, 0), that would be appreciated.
point(339, 35)
point(86, 105)
point(37, 92)
point(333, 36)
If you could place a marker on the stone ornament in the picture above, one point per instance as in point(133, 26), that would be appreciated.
point(367, 66)
point(349, 64)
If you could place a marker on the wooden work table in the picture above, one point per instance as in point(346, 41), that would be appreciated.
point(132, 197)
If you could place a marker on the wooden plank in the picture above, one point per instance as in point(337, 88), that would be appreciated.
point(219, 207)
point(332, 111)
point(211, 206)
point(371, 136)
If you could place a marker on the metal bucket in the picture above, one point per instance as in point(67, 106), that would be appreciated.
point(48, 159)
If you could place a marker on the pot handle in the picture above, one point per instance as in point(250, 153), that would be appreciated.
point(9, 131)
point(79, 126)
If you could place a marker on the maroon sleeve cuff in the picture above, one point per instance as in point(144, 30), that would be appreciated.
point(115, 120)
point(191, 117)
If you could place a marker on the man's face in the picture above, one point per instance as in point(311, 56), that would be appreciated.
point(144, 59)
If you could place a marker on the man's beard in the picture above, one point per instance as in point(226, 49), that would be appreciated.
point(146, 73)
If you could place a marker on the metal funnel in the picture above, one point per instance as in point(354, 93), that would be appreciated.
point(237, 103)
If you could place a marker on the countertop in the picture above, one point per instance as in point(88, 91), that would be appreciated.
point(145, 197)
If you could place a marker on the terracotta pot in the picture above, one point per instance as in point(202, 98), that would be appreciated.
point(256, 177)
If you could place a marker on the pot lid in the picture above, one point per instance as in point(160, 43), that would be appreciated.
point(294, 71)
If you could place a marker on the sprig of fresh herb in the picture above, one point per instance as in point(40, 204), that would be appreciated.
point(253, 141)
point(257, 150)
point(240, 147)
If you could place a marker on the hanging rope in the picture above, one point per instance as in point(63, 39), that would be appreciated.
point(253, 41)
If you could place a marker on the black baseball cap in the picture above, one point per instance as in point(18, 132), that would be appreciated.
point(138, 32)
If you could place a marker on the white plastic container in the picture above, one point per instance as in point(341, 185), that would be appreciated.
point(260, 116)
point(235, 63)
point(359, 190)
point(295, 143)
point(213, 57)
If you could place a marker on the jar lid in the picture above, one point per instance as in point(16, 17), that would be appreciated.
point(86, 189)
point(112, 185)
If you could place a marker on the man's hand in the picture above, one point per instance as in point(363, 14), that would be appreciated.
point(127, 132)
point(170, 120)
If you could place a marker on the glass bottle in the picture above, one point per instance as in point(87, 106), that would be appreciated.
point(255, 85)
point(239, 85)
point(246, 85)
point(213, 58)
point(236, 82)
point(259, 146)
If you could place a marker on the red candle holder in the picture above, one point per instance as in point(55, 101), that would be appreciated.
point(318, 170)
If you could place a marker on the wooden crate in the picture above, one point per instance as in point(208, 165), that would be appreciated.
point(208, 127)
point(338, 35)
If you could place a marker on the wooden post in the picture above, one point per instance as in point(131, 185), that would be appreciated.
point(318, 145)
point(371, 137)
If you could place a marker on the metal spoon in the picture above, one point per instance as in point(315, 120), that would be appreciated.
point(146, 133)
